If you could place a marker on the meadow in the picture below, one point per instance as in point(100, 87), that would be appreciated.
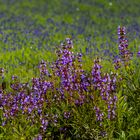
point(69, 70)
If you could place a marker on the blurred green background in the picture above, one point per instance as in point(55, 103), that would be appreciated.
point(30, 30)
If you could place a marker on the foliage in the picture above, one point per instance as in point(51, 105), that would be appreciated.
point(50, 92)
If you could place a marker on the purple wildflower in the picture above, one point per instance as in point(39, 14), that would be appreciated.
point(96, 74)
point(99, 114)
point(123, 45)
point(138, 54)
point(67, 115)
point(117, 63)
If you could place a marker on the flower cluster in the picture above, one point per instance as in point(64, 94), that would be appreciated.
point(99, 114)
point(106, 85)
point(117, 63)
point(123, 45)
point(96, 74)
point(68, 84)
point(30, 101)
point(43, 70)
point(68, 68)
point(108, 93)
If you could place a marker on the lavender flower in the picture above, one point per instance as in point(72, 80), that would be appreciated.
point(68, 68)
point(96, 74)
point(123, 45)
point(138, 54)
point(43, 71)
point(108, 93)
point(67, 115)
point(99, 114)
point(44, 124)
point(14, 78)
point(69, 84)
point(117, 63)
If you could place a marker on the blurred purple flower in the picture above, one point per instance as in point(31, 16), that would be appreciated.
point(138, 54)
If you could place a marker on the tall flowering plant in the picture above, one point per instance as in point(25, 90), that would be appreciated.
point(68, 69)
point(65, 100)
point(123, 45)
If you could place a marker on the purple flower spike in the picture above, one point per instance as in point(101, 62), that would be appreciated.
point(123, 45)
point(99, 114)
point(96, 74)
